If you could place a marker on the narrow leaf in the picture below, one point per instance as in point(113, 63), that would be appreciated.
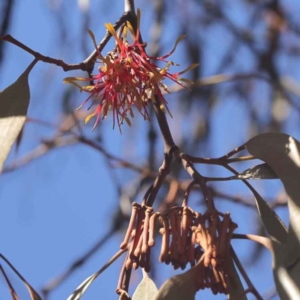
point(286, 279)
point(262, 240)
point(77, 294)
point(273, 224)
point(33, 294)
point(146, 290)
point(235, 287)
point(261, 171)
point(288, 287)
point(14, 101)
point(11, 288)
point(282, 153)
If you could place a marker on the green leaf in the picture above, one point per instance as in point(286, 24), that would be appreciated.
point(14, 101)
point(13, 293)
point(78, 293)
point(179, 287)
point(236, 288)
point(146, 290)
point(33, 294)
point(282, 153)
point(273, 224)
point(261, 171)
point(286, 279)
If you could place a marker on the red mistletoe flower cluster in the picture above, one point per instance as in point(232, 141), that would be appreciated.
point(127, 77)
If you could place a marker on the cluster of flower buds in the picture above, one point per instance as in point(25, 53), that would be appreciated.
point(209, 241)
point(142, 236)
point(187, 237)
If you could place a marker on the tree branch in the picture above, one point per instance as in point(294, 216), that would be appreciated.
point(86, 65)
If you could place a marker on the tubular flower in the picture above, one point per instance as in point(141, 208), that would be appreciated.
point(127, 77)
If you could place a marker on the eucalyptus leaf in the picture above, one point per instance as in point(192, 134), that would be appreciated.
point(273, 224)
point(14, 101)
point(33, 294)
point(179, 287)
point(261, 171)
point(80, 290)
point(146, 290)
point(236, 288)
point(282, 153)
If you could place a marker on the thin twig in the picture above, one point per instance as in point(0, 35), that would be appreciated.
point(189, 167)
point(87, 64)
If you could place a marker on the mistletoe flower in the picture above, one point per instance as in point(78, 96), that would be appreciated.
point(127, 77)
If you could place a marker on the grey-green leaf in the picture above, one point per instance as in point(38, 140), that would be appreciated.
point(179, 287)
point(236, 290)
point(146, 290)
point(273, 224)
point(14, 101)
point(261, 171)
point(78, 293)
point(33, 294)
point(282, 153)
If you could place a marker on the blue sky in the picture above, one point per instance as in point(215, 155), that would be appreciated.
point(55, 208)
